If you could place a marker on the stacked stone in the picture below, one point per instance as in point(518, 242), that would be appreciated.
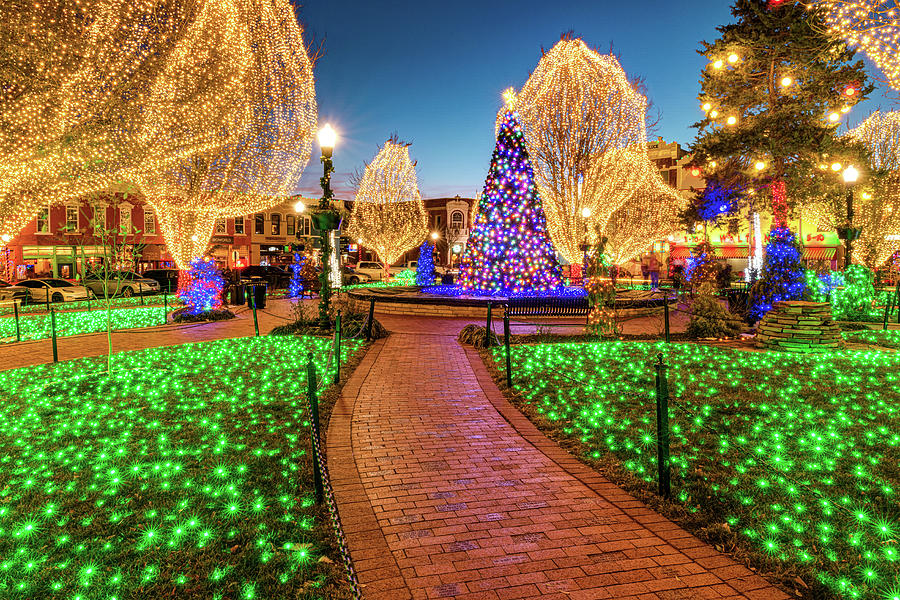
point(799, 327)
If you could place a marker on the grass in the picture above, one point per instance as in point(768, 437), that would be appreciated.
point(97, 304)
point(793, 458)
point(885, 339)
point(184, 473)
point(38, 327)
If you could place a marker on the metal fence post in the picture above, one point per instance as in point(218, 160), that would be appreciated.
point(666, 305)
point(369, 321)
point(141, 292)
point(47, 297)
point(165, 308)
point(314, 425)
point(337, 348)
point(16, 315)
point(53, 334)
point(253, 306)
point(488, 325)
point(887, 312)
point(662, 430)
point(507, 341)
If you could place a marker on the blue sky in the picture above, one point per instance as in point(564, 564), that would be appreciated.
point(433, 72)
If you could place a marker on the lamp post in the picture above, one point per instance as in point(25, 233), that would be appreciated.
point(849, 233)
point(326, 220)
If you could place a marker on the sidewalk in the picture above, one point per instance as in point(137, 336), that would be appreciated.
point(446, 491)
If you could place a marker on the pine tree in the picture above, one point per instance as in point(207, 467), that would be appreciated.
point(425, 264)
point(509, 249)
point(783, 274)
point(204, 293)
point(774, 92)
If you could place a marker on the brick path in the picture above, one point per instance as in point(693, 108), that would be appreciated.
point(447, 491)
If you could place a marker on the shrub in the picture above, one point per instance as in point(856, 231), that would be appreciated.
point(478, 336)
point(709, 319)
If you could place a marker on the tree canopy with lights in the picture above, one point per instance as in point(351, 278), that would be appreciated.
point(773, 93)
point(388, 213)
point(208, 107)
point(585, 126)
point(509, 249)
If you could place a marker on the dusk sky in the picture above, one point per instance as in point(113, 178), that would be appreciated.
point(433, 73)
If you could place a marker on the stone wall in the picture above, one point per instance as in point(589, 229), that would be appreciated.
point(799, 327)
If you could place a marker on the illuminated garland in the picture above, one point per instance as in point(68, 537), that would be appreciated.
point(388, 214)
point(586, 134)
point(508, 248)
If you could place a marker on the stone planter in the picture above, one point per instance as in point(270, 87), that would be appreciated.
point(799, 327)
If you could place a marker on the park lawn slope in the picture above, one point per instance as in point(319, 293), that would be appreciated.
point(184, 473)
point(796, 457)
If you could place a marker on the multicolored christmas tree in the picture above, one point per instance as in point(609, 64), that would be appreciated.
point(204, 292)
point(509, 249)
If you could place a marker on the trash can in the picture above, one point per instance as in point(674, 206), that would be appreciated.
point(258, 291)
point(447, 279)
point(237, 295)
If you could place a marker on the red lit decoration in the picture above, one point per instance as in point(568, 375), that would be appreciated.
point(779, 203)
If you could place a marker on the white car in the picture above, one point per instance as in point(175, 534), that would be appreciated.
point(120, 283)
point(372, 269)
point(11, 292)
point(54, 290)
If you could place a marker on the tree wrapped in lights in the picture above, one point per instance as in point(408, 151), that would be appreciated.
point(586, 130)
point(774, 91)
point(783, 274)
point(228, 127)
point(877, 211)
point(388, 213)
point(425, 264)
point(872, 26)
point(509, 249)
point(652, 213)
point(205, 292)
point(295, 286)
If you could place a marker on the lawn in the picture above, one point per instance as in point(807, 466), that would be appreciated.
point(173, 301)
point(38, 327)
point(796, 456)
point(885, 339)
point(185, 473)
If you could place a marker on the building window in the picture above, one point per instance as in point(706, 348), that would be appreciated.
point(239, 226)
point(259, 224)
point(220, 226)
point(290, 222)
point(303, 227)
point(125, 219)
point(439, 220)
point(149, 221)
point(71, 218)
point(276, 223)
point(456, 220)
point(43, 220)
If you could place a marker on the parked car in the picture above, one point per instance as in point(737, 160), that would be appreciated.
point(166, 278)
point(9, 291)
point(274, 276)
point(372, 269)
point(119, 283)
point(350, 276)
point(54, 290)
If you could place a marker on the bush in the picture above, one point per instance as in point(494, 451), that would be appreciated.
point(478, 336)
point(183, 315)
point(709, 319)
point(306, 321)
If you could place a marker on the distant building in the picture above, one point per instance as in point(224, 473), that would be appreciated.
point(672, 161)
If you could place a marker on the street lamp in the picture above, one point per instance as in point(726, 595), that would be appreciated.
point(299, 207)
point(849, 233)
point(326, 220)
point(435, 235)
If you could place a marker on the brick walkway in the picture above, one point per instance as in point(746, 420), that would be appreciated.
point(446, 491)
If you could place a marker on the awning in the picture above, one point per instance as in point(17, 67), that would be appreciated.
point(732, 252)
point(819, 253)
point(680, 252)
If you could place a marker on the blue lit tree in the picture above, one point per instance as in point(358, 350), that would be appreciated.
point(425, 264)
point(295, 287)
point(783, 273)
point(509, 249)
point(204, 293)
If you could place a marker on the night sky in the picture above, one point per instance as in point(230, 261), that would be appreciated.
point(433, 72)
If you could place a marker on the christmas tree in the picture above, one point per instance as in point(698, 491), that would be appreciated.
point(509, 249)
point(295, 287)
point(204, 293)
point(774, 92)
point(783, 274)
point(425, 264)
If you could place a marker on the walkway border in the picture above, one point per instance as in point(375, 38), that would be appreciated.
point(376, 568)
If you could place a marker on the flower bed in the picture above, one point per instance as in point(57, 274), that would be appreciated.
point(795, 454)
point(185, 473)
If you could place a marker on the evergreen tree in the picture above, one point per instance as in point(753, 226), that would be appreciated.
point(774, 92)
point(783, 275)
point(205, 290)
point(425, 264)
point(509, 249)
point(295, 286)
